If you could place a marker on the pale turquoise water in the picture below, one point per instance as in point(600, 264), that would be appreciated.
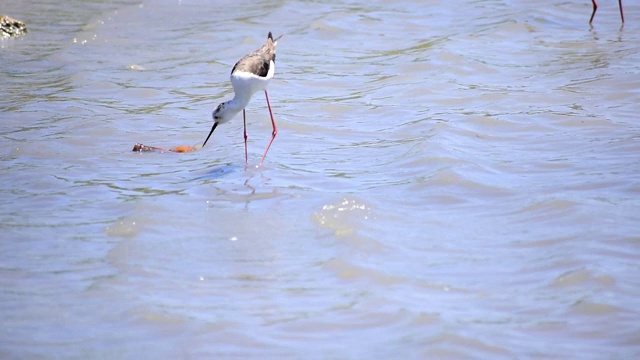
point(450, 180)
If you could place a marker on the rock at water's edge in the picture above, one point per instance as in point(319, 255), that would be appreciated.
point(10, 27)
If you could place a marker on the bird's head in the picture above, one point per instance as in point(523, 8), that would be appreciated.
point(223, 113)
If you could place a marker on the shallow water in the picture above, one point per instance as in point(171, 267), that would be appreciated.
point(450, 180)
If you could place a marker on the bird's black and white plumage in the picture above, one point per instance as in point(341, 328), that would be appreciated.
point(250, 74)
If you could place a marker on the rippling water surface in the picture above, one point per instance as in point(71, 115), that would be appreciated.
point(451, 179)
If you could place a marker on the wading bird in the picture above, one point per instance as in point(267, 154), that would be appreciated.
point(249, 75)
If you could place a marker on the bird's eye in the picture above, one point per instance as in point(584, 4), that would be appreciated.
point(216, 117)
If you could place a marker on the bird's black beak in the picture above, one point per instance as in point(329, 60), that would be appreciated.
point(215, 124)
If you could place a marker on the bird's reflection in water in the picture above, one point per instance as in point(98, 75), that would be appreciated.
point(218, 171)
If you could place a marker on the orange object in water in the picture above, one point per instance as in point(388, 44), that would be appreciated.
point(182, 149)
point(178, 149)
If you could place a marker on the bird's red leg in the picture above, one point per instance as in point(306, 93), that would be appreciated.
point(595, 7)
point(246, 136)
point(621, 13)
point(273, 123)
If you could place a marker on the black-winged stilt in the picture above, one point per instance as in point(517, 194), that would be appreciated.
point(249, 75)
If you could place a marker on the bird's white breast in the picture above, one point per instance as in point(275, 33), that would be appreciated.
point(249, 83)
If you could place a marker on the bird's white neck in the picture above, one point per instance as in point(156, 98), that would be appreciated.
point(239, 101)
